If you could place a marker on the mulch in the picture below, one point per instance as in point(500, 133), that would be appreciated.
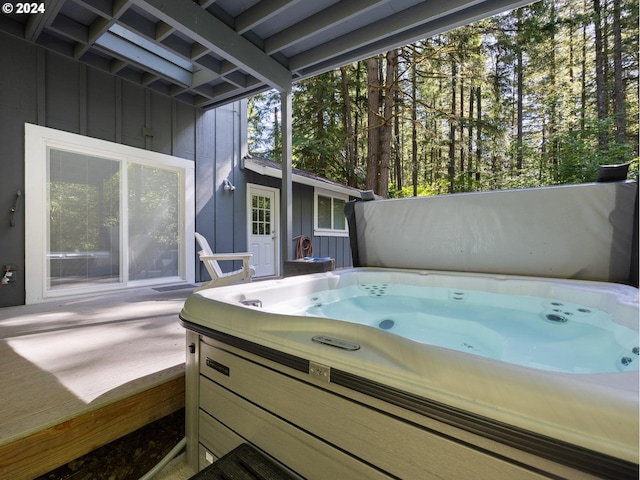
point(129, 457)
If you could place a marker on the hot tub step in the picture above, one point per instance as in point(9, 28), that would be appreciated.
point(244, 463)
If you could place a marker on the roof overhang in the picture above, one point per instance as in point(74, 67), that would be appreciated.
point(272, 169)
point(211, 52)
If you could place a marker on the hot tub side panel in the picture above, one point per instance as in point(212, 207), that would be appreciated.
point(321, 429)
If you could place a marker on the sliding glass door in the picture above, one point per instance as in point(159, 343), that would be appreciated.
point(86, 203)
point(103, 216)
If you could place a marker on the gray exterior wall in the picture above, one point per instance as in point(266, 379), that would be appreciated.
point(334, 247)
point(43, 88)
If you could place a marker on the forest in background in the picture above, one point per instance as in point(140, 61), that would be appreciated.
point(541, 95)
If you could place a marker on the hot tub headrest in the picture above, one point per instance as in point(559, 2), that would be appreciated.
point(571, 231)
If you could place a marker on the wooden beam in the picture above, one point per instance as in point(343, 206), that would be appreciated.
point(199, 25)
point(43, 451)
point(36, 23)
point(260, 13)
point(327, 18)
point(415, 23)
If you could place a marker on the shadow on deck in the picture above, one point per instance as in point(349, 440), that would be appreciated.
point(79, 373)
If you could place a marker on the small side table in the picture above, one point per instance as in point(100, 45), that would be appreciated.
point(306, 265)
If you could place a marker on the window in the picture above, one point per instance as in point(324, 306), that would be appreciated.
point(261, 215)
point(329, 214)
point(103, 216)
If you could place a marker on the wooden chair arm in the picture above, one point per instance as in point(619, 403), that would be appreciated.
point(227, 256)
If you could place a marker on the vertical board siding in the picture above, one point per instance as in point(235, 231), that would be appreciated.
point(205, 175)
point(44, 88)
point(62, 103)
point(18, 104)
point(101, 105)
point(133, 115)
point(160, 111)
point(184, 134)
point(48, 89)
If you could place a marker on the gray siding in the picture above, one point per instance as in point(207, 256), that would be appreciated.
point(302, 217)
point(41, 87)
point(44, 88)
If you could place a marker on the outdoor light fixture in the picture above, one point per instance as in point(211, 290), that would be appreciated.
point(227, 185)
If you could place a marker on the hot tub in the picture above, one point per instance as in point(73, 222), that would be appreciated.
point(562, 396)
point(387, 372)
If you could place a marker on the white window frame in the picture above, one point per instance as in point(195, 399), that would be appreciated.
point(328, 232)
point(38, 141)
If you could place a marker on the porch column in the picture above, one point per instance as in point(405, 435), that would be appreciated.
point(286, 215)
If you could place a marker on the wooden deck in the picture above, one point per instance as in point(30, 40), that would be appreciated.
point(77, 374)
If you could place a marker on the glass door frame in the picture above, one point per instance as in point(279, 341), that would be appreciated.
point(38, 141)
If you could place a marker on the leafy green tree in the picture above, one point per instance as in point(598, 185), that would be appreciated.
point(538, 96)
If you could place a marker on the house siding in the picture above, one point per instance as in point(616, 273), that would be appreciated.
point(41, 87)
point(302, 218)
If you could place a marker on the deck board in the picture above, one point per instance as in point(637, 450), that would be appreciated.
point(77, 374)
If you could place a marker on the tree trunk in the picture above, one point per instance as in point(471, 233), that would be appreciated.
point(621, 120)
point(414, 125)
point(348, 128)
point(373, 118)
point(397, 142)
point(583, 76)
point(277, 148)
point(472, 93)
point(600, 79)
point(385, 131)
point(519, 93)
point(452, 130)
point(479, 134)
point(462, 159)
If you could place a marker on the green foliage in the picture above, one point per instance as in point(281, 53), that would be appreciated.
point(437, 187)
point(462, 89)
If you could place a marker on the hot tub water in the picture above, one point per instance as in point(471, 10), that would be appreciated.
point(523, 330)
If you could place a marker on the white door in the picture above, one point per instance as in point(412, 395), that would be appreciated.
point(263, 228)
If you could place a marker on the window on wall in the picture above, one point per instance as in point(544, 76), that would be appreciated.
point(104, 216)
point(329, 214)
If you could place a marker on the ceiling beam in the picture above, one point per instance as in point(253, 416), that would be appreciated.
point(388, 26)
point(407, 26)
point(329, 17)
point(37, 22)
point(128, 51)
point(201, 26)
point(261, 12)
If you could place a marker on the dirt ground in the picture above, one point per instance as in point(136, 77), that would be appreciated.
point(127, 458)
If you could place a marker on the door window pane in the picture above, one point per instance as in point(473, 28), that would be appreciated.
point(261, 215)
point(84, 220)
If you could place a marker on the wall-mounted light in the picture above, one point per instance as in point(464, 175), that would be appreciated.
point(227, 185)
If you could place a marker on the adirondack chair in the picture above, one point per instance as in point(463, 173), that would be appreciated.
point(218, 277)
